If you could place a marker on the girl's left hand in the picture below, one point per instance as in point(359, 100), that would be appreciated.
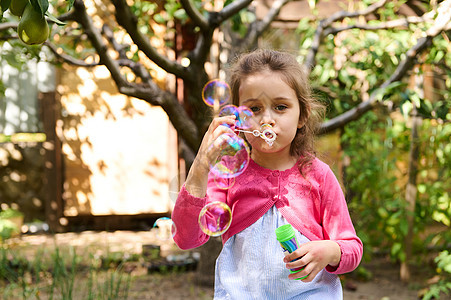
point(313, 257)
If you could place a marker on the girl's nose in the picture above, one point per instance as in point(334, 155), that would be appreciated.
point(267, 118)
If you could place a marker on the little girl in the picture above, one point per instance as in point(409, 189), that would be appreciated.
point(284, 183)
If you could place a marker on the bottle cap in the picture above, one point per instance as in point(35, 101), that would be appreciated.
point(284, 233)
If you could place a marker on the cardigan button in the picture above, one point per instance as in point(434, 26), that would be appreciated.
point(275, 198)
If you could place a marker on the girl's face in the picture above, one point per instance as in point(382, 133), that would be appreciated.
point(275, 103)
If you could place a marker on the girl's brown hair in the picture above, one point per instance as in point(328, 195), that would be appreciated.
point(294, 74)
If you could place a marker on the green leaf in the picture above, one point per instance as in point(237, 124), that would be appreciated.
point(406, 107)
point(382, 212)
point(54, 19)
point(441, 217)
point(5, 5)
point(421, 188)
point(404, 226)
point(395, 249)
point(415, 98)
point(180, 14)
point(40, 5)
point(71, 4)
point(159, 19)
point(439, 56)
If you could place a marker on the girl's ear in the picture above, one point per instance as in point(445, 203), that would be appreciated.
point(301, 123)
point(303, 116)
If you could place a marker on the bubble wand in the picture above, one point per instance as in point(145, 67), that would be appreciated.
point(267, 134)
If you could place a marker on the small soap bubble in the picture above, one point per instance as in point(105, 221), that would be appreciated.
point(268, 133)
point(164, 228)
point(229, 110)
point(215, 218)
point(229, 156)
point(243, 115)
point(245, 118)
point(224, 183)
point(216, 93)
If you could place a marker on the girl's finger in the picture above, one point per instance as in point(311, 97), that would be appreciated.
point(229, 120)
point(311, 275)
point(297, 254)
point(298, 261)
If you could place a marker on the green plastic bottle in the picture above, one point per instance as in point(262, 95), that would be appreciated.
point(287, 238)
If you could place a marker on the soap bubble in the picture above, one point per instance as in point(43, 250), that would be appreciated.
point(243, 115)
point(268, 134)
point(216, 93)
point(164, 228)
point(229, 110)
point(215, 218)
point(229, 156)
point(245, 119)
point(224, 183)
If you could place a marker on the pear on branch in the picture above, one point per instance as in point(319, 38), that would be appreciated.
point(33, 28)
point(17, 7)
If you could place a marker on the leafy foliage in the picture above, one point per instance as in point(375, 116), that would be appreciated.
point(443, 286)
point(351, 65)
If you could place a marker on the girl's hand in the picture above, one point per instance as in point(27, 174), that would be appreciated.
point(313, 256)
point(218, 126)
point(196, 182)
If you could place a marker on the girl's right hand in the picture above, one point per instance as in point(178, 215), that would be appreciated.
point(213, 138)
point(196, 182)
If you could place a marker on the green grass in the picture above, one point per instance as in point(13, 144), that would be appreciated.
point(60, 274)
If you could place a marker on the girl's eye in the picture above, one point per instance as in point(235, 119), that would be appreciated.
point(281, 107)
point(254, 108)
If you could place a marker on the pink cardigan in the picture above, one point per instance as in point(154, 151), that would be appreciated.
point(315, 206)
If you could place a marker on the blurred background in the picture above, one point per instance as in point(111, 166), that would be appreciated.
point(100, 122)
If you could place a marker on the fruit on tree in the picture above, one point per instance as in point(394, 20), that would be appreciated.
point(17, 7)
point(33, 28)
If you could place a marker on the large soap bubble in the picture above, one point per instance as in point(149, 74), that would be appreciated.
point(229, 156)
point(215, 218)
point(216, 93)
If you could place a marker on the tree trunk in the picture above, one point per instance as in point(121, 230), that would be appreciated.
point(411, 194)
point(205, 273)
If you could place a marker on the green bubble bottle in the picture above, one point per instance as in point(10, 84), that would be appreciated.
point(287, 238)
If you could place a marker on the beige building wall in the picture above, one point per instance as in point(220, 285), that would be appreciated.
point(120, 153)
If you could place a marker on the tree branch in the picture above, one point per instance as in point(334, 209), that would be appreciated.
point(150, 93)
point(257, 28)
point(127, 19)
point(271, 15)
point(95, 37)
point(120, 49)
point(405, 22)
point(185, 127)
point(194, 14)
point(441, 23)
point(231, 9)
point(8, 25)
point(338, 16)
point(310, 60)
point(67, 58)
point(385, 25)
point(215, 19)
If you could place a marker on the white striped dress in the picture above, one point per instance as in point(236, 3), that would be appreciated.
point(251, 266)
